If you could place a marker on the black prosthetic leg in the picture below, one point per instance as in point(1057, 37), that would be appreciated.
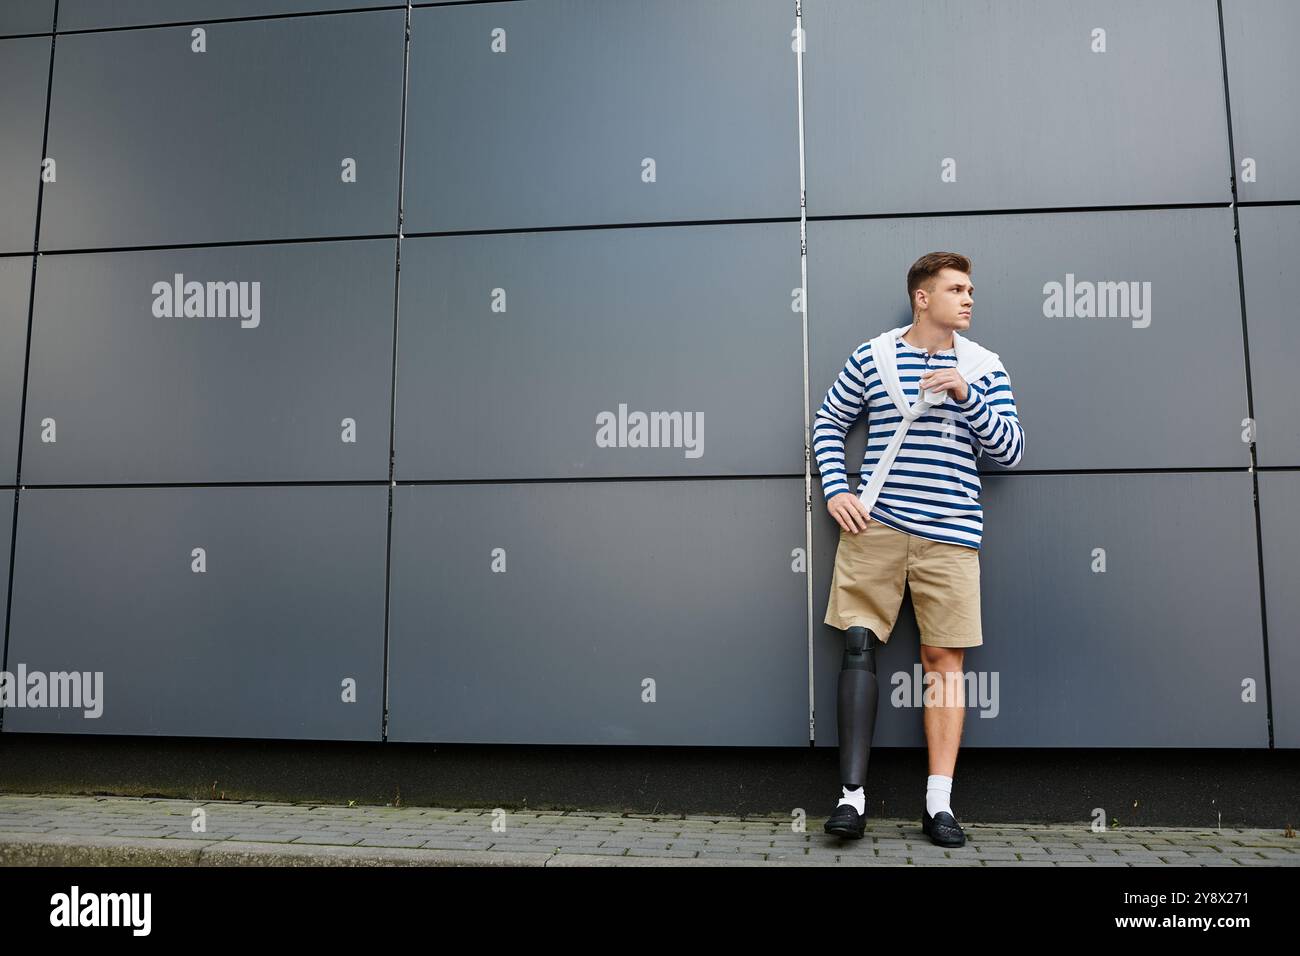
point(858, 694)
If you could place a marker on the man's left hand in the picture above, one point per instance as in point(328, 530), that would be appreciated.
point(947, 379)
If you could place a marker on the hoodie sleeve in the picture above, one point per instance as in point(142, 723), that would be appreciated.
point(845, 401)
point(990, 411)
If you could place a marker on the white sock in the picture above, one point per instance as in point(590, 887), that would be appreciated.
point(857, 799)
point(938, 790)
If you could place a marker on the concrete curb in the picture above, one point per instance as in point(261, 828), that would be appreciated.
point(41, 849)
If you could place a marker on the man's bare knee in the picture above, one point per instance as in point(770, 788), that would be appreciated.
point(942, 658)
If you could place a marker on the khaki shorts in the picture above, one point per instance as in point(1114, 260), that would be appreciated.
point(873, 566)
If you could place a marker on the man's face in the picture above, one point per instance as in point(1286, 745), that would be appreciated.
point(950, 302)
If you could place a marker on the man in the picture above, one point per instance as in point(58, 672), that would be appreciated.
point(932, 406)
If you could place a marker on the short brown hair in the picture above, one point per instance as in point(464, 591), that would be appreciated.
point(928, 267)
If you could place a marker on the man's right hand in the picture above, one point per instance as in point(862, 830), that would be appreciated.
point(848, 509)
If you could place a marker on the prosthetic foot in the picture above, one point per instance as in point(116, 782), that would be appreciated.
point(858, 693)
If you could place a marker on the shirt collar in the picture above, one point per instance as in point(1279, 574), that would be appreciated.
point(920, 348)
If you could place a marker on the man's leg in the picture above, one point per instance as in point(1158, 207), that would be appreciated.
point(866, 595)
point(944, 579)
point(856, 705)
point(944, 699)
point(943, 720)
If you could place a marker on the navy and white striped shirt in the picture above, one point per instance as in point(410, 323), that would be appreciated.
point(933, 487)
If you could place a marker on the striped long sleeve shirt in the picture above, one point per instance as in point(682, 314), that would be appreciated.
point(933, 487)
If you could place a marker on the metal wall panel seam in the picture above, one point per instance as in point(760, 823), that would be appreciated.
point(803, 319)
point(1250, 400)
point(31, 302)
point(392, 394)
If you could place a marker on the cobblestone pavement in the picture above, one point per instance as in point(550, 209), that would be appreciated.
point(91, 830)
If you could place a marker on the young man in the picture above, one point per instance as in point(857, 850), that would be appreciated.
point(934, 400)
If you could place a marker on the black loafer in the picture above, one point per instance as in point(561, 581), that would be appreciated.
point(942, 829)
point(846, 822)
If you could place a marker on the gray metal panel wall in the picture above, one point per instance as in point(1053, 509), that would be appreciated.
point(1270, 236)
point(1279, 516)
point(586, 100)
point(1260, 38)
point(288, 606)
point(1101, 391)
point(625, 612)
point(6, 515)
point(534, 355)
point(15, 291)
point(947, 105)
point(672, 292)
point(24, 77)
point(96, 14)
point(157, 144)
point(1120, 610)
point(25, 16)
point(287, 377)
point(99, 14)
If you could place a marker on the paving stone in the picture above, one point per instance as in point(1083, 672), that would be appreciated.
point(1018, 863)
point(541, 834)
